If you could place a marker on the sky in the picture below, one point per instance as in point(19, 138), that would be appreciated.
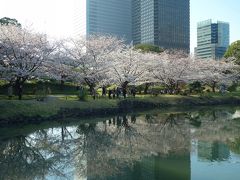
point(56, 17)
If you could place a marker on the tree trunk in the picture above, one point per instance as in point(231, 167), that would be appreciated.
point(177, 89)
point(19, 87)
point(147, 85)
point(124, 89)
point(92, 90)
point(91, 86)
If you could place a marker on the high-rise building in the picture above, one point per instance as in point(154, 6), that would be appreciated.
point(165, 23)
point(104, 17)
point(212, 39)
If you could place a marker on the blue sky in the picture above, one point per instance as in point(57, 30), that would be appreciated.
point(222, 10)
point(48, 15)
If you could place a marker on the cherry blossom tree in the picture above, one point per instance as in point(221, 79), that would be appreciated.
point(22, 53)
point(171, 69)
point(128, 66)
point(90, 55)
point(174, 67)
point(60, 67)
point(214, 72)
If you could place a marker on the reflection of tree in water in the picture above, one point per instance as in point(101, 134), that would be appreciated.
point(234, 145)
point(96, 145)
point(19, 159)
point(103, 149)
point(216, 126)
point(97, 157)
point(209, 116)
point(194, 119)
point(214, 114)
point(95, 149)
point(113, 145)
point(35, 156)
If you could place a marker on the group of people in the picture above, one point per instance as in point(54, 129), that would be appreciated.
point(114, 93)
point(117, 92)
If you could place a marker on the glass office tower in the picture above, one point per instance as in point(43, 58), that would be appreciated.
point(165, 23)
point(212, 39)
point(106, 17)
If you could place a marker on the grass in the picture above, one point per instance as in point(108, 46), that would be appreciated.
point(25, 97)
point(12, 108)
point(30, 107)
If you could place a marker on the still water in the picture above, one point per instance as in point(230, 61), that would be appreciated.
point(200, 144)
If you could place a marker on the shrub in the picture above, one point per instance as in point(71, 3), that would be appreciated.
point(233, 87)
point(196, 87)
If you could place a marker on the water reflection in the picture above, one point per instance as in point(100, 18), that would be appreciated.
point(153, 145)
point(215, 151)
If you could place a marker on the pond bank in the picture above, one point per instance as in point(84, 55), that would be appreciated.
point(31, 111)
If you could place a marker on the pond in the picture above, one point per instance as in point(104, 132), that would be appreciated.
point(197, 144)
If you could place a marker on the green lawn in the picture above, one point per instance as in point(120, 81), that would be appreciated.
point(11, 108)
point(30, 107)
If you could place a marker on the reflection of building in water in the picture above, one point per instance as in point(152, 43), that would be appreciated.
point(146, 168)
point(126, 147)
point(156, 167)
point(215, 151)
